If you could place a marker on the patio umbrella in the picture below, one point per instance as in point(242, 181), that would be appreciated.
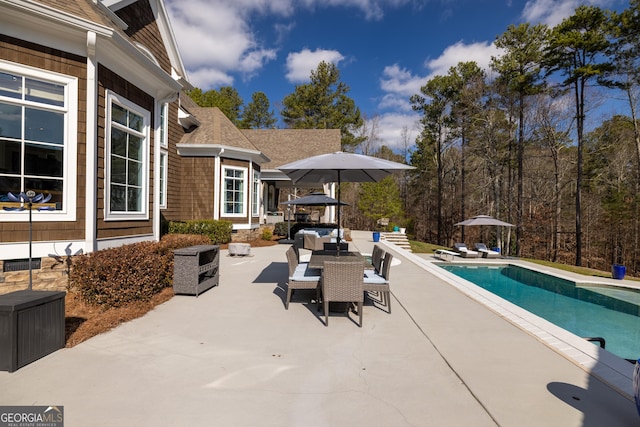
point(486, 220)
point(340, 167)
point(313, 199)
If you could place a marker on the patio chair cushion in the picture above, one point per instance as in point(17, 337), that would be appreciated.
point(371, 277)
point(303, 273)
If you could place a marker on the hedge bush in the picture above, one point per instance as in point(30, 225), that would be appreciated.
point(218, 231)
point(117, 276)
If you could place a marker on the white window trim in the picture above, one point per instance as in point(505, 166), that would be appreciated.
point(164, 125)
point(244, 192)
point(255, 194)
point(163, 164)
point(70, 168)
point(125, 216)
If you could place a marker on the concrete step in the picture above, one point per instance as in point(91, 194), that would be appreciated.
point(398, 239)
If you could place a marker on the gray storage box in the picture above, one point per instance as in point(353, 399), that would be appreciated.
point(195, 269)
point(31, 327)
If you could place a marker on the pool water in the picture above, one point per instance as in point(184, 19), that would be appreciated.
point(610, 312)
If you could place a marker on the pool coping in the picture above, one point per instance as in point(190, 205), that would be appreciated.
point(602, 364)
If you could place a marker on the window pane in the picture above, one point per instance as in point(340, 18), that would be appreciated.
point(46, 186)
point(10, 86)
point(118, 114)
point(136, 122)
point(8, 185)
point(118, 142)
point(118, 201)
point(44, 92)
point(135, 173)
point(44, 126)
point(9, 156)
point(135, 147)
point(118, 170)
point(10, 121)
point(44, 160)
point(134, 199)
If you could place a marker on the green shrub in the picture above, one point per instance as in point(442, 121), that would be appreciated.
point(218, 231)
point(267, 234)
point(280, 229)
point(116, 276)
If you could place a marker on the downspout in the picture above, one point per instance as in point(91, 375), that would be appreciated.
point(156, 162)
point(217, 185)
point(251, 196)
point(91, 144)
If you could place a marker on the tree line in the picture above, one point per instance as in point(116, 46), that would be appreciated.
point(518, 142)
point(527, 141)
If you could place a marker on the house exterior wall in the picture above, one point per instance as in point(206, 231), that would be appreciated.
point(108, 80)
point(45, 58)
point(197, 184)
point(175, 167)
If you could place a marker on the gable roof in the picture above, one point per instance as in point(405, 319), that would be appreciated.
point(82, 26)
point(214, 135)
point(287, 145)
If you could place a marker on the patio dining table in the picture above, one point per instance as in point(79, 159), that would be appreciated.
point(319, 257)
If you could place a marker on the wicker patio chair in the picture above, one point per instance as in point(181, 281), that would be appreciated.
point(300, 276)
point(376, 258)
point(379, 282)
point(296, 250)
point(342, 282)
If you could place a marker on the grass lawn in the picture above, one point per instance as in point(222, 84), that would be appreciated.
point(428, 248)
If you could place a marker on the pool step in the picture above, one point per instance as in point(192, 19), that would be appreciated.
point(398, 239)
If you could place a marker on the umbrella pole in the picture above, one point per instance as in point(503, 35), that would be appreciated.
point(338, 207)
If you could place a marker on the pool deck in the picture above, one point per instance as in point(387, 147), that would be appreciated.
point(447, 355)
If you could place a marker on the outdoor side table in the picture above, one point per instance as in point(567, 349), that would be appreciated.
point(195, 269)
point(31, 326)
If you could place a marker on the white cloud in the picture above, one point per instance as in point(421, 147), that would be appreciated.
point(400, 81)
point(300, 64)
point(399, 84)
point(392, 126)
point(479, 52)
point(205, 78)
point(216, 41)
point(552, 12)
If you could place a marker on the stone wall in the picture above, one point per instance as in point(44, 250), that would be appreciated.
point(51, 276)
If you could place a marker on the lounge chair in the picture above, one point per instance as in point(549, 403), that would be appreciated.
point(465, 252)
point(486, 252)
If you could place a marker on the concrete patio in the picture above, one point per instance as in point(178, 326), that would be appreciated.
point(235, 357)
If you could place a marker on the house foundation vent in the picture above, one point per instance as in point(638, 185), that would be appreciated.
point(21, 264)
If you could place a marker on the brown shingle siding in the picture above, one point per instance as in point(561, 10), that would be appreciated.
point(108, 80)
point(143, 29)
point(196, 197)
point(34, 55)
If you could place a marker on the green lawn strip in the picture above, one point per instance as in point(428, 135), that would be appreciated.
point(428, 248)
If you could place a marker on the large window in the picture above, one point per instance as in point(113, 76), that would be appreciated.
point(37, 134)
point(127, 160)
point(234, 194)
point(255, 200)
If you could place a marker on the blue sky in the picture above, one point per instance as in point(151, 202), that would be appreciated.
point(385, 49)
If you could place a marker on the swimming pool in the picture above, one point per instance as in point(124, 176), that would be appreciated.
point(585, 310)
